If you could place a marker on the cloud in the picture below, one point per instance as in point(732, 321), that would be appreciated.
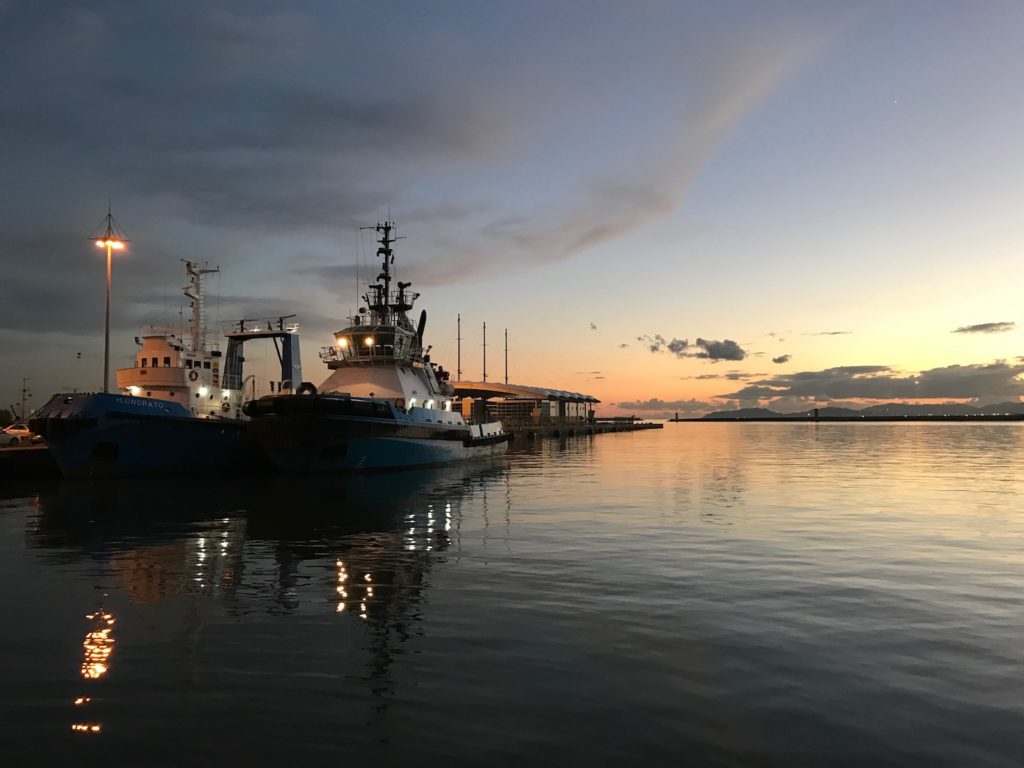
point(246, 133)
point(593, 327)
point(709, 350)
point(1002, 327)
point(991, 382)
point(623, 345)
point(782, 359)
point(720, 350)
point(829, 333)
point(729, 376)
point(658, 343)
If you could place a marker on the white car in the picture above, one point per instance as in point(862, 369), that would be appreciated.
point(16, 434)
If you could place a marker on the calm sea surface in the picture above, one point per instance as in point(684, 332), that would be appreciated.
point(722, 594)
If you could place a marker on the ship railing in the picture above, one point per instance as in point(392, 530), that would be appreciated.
point(365, 354)
point(158, 329)
point(396, 298)
point(267, 325)
point(379, 320)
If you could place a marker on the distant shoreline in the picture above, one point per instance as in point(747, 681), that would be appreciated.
point(953, 417)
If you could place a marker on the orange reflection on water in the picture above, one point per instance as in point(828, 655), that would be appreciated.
point(98, 645)
point(97, 648)
point(342, 578)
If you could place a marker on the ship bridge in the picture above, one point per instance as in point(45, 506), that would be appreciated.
point(518, 404)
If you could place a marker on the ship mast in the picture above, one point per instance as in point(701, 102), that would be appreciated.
point(194, 291)
point(384, 290)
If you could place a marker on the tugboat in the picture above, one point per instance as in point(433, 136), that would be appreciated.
point(384, 405)
point(179, 408)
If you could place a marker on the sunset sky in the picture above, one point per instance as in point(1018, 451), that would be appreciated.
point(672, 206)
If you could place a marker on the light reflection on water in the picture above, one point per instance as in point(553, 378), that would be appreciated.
point(729, 594)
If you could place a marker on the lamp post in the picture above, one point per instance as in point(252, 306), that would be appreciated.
point(110, 236)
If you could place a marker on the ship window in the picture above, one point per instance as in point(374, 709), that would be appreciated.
point(155, 365)
point(188, 363)
point(206, 364)
point(167, 362)
point(143, 362)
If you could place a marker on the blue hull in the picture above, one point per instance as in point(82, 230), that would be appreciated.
point(326, 433)
point(107, 435)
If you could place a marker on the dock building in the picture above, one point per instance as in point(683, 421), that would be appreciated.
point(519, 405)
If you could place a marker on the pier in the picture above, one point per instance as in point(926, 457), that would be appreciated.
point(520, 431)
point(27, 461)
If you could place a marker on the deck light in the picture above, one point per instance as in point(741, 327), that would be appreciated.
point(342, 343)
point(369, 341)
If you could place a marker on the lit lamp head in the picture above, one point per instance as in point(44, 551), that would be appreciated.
point(369, 341)
point(108, 235)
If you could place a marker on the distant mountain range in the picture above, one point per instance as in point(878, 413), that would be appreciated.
point(886, 411)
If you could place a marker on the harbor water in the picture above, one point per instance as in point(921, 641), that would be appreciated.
point(712, 594)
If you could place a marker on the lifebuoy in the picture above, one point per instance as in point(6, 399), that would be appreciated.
point(306, 388)
point(225, 406)
point(193, 375)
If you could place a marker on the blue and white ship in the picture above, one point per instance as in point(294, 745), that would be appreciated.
point(178, 408)
point(384, 404)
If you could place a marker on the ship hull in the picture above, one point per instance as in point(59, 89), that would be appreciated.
point(311, 434)
point(108, 435)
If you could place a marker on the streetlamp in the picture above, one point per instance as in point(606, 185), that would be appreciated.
point(110, 236)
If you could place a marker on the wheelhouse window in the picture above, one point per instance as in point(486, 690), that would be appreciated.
point(143, 362)
point(167, 362)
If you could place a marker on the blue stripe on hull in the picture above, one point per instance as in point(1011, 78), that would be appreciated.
point(381, 453)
